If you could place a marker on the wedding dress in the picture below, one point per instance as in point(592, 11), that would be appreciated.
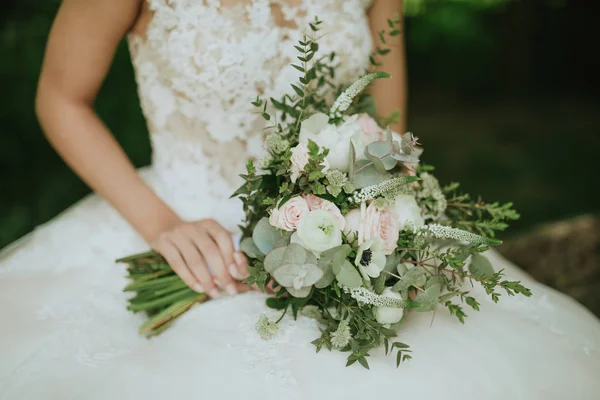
point(64, 329)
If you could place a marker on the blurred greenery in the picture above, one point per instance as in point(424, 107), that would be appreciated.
point(504, 95)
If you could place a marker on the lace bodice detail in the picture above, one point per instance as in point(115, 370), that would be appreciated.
point(201, 63)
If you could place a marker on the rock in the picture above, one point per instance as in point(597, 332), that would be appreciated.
point(564, 255)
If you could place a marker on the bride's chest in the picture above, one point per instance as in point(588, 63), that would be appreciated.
point(206, 37)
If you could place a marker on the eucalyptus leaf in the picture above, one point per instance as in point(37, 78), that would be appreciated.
point(382, 152)
point(330, 262)
point(405, 158)
point(379, 283)
point(249, 248)
point(274, 259)
point(412, 277)
point(287, 274)
point(349, 276)
point(265, 236)
point(284, 241)
point(365, 174)
point(294, 254)
point(446, 297)
point(336, 256)
point(428, 300)
point(392, 261)
point(300, 293)
point(481, 267)
point(326, 280)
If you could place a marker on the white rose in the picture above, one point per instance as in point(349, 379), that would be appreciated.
point(318, 231)
point(408, 212)
point(335, 138)
point(289, 215)
point(389, 315)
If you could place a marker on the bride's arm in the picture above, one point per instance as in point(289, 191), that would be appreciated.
point(390, 96)
point(79, 53)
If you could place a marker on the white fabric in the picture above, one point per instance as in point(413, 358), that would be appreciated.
point(64, 329)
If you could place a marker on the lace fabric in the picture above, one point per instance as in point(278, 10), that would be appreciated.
point(202, 63)
point(65, 331)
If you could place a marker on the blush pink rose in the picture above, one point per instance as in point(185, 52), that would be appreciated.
point(371, 131)
point(317, 203)
point(384, 225)
point(374, 224)
point(289, 215)
point(299, 160)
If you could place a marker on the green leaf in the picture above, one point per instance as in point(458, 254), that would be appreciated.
point(428, 300)
point(349, 276)
point(298, 91)
point(352, 161)
point(294, 254)
point(276, 303)
point(249, 248)
point(363, 361)
point(365, 174)
point(380, 154)
point(284, 241)
point(481, 267)
point(274, 259)
point(379, 284)
point(413, 277)
point(265, 236)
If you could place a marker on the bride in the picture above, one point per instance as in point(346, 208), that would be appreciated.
point(65, 331)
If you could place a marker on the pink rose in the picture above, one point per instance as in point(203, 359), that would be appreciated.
point(353, 225)
point(371, 131)
point(317, 203)
point(299, 160)
point(289, 215)
point(371, 223)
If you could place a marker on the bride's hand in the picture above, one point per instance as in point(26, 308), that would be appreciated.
point(202, 253)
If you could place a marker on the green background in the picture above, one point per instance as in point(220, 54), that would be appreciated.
point(503, 94)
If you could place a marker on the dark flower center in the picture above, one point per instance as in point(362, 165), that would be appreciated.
point(365, 260)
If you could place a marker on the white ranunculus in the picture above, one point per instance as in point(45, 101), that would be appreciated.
point(318, 231)
point(335, 138)
point(388, 315)
point(408, 212)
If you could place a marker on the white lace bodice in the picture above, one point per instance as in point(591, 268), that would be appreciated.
point(201, 64)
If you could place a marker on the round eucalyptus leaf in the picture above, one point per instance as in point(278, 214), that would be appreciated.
point(349, 276)
point(249, 248)
point(299, 293)
point(265, 236)
point(381, 151)
point(326, 280)
point(294, 254)
point(366, 175)
point(274, 259)
point(283, 241)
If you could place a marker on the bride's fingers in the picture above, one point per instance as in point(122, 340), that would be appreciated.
point(242, 265)
point(168, 250)
point(213, 257)
point(242, 287)
point(224, 242)
point(193, 259)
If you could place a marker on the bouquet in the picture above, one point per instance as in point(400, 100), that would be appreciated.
point(345, 224)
